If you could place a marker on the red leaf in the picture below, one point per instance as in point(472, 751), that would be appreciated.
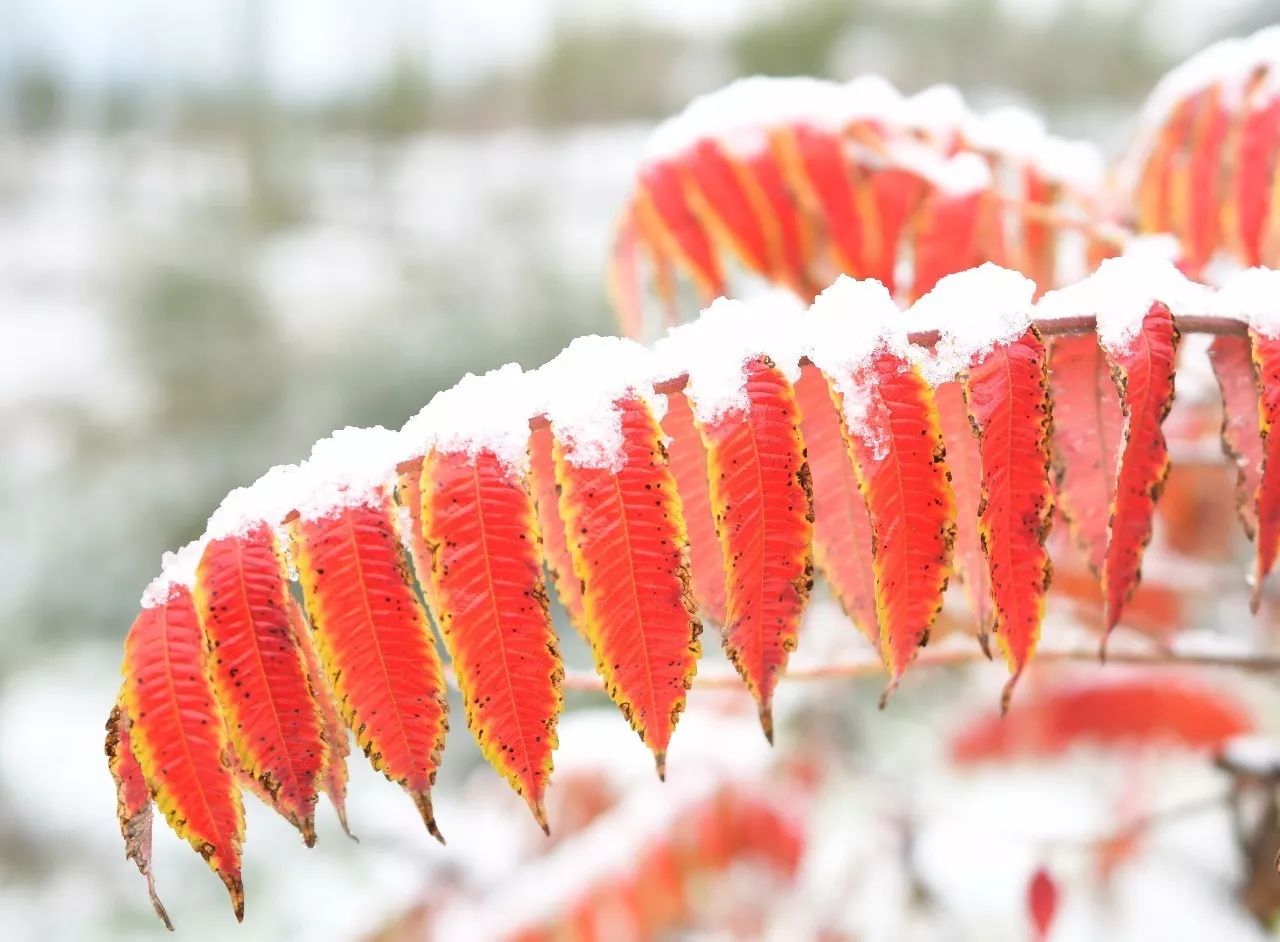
point(555, 546)
point(1202, 232)
point(841, 527)
point(1144, 376)
point(1266, 358)
point(687, 458)
point(179, 737)
point(1039, 237)
point(491, 605)
point(1088, 425)
point(663, 210)
point(946, 238)
point(630, 551)
point(1155, 210)
point(965, 463)
point(133, 802)
point(624, 278)
point(902, 472)
point(815, 164)
point(332, 729)
point(258, 672)
point(761, 495)
point(727, 200)
point(895, 195)
point(1232, 362)
point(791, 229)
point(1042, 903)
point(1154, 709)
point(1250, 198)
point(1008, 397)
point(375, 643)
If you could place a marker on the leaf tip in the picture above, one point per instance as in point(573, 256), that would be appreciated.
point(307, 827)
point(889, 688)
point(1006, 695)
point(423, 800)
point(540, 815)
point(660, 762)
point(766, 721)
point(984, 642)
point(341, 809)
point(235, 887)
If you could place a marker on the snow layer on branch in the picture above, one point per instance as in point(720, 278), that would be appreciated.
point(972, 311)
point(481, 413)
point(1258, 755)
point(176, 569)
point(267, 500)
point(848, 324)
point(1252, 296)
point(1121, 292)
point(351, 468)
point(579, 390)
point(714, 349)
point(740, 114)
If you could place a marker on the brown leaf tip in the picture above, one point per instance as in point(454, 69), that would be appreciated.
point(423, 800)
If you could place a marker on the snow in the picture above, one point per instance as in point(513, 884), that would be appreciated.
point(176, 569)
point(1121, 292)
point(578, 391)
point(481, 413)
point(1252, 753)
point(714, 349)
point(848, 324)
point(267, 500)
point(973, 311)
point(1252, 296)
point(740, 115)
point(351, 468)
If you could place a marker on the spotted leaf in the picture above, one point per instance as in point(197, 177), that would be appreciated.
point(555, 545)
point(1266, 358)
point(1232, 361)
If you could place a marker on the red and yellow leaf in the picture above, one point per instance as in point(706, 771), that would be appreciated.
point(724, 195)
point(946, 238)
point(762, 499)
point(687, 458)
point(895, 196)
point(1202, 224)
point(133, 802)
point(1266, 358)
point(902, 472)
point(409, 499)
point(1258, 139)
point(630, 551)
point(818, 172)
point(1008, 395)
point(1087, 430)
point(490, 602)
point(375, 643)
point(663, 212)
point(794, 241)
point(841, 527)
point(555, 545)
point(1144, 376)
point(1232, 360)
point(179, 737)
point(332, 728)
point(1125, 713)
point(965, 464)
point(1155, 209)
point(623, 281)
point(258, 671)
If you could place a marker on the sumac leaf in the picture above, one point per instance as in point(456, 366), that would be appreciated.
point(822, 177)
point(1008, 397)
point(762, 498)
point(133, 802)
point(663, 211)
point(1087, 430)
point(790, 228)
point(555, 545)
point(1266, 357)
point(491, 605)
point(901, 462)
point(1232, 360)
point(946, 238)
point(1258, 140)
point(841, 527)
point(375, 643)
point(630, 551)
point(179, 737)
point(1143, 371)
point(687, 458)
point(726, 198)
point(258, 671)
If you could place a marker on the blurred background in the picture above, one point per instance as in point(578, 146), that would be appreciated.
point(228, 227)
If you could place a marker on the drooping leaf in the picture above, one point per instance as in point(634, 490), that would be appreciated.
point(663, 212)
point(1039, 241)
point(900, 458)
point(1232, 361)
point(630, 552)
point(1266, 358)
point(762, 498)
point(687, 458)
point(332, 728)
point(375, 643)
point(791, 228)
point(1201, 225)
point(1042, 903)
point(180, 739)
point(1008, 396)
point(965, 464)
point(1087, 430)
point(1250, 196)
point(258, 671)
point(1155, 201)
point(946, 239)
point(133, 802)
point(1144, 376)
point(822, 177)
point(895, 196)
point(725, 197)
point(624, 278)
point(1139, 709)
point(409, 501)
point(555, 546)
point(841, 527)
point(490, 602)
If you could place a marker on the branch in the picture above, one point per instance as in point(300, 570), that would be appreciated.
point(1251, 663)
